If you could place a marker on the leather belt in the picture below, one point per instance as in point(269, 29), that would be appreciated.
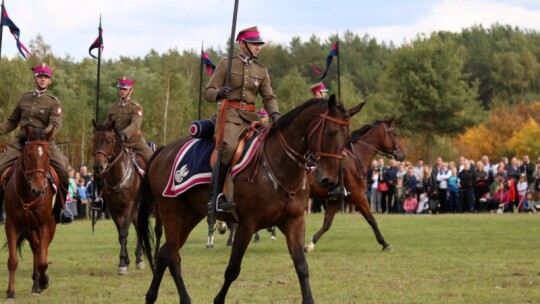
point(241, 105)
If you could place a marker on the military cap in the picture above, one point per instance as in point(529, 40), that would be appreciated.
point(42, 69)
point(125, 83)
point(318, 87)
point(251, 35)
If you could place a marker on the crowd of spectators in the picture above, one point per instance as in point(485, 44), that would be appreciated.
point(449, 187)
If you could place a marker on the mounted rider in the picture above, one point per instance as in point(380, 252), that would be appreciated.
point(39, 109)
point(127, 116)
point(318, 90)
point(248, 78)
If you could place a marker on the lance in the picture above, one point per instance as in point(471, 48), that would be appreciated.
point(200, 81)
point(1, 27)
point(221, 129)
point(98, 74)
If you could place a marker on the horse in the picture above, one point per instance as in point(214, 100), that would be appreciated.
point(271, 190)
point(120, 184)
point(29, 198)
point(378, 137)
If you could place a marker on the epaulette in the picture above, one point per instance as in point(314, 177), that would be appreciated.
point(262, 65)
point(28, 93)
point(134, 102)
point(52, 96)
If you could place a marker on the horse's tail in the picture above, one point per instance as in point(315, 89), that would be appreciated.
point(20, 242)
point(146, 206)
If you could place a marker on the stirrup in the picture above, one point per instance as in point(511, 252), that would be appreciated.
point(335, 193)
point(223, 204)
point(97, 204)
point(66, 217)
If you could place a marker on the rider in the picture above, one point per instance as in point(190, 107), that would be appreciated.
point(248, 78)
point(319, 90)
point(128, 116)
point(39, 109)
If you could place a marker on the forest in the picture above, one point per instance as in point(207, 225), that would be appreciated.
point(472, 93)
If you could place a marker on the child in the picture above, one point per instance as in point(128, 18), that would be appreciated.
point(454, 204)
point(410, 204)
point(83, 199)
point(400, 195)
point(423, 204)
point(522, 190)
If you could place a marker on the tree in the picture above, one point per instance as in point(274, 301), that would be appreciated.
point(429, 94)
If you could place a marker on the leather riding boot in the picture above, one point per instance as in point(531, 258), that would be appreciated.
point(62, 215)
point(223, 203)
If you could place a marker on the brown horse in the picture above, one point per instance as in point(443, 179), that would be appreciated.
point(120, 184)
point(314, 133)
point(28, 198)
point(379, 137)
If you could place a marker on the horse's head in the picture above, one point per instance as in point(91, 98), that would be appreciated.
point(326, 136)
point(107, 146)
point(381, 136)
point(35, 159)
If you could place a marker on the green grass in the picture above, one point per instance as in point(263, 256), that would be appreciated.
point(484, 258)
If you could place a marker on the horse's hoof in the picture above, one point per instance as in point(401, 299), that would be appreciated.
point(140, 265)
point(44, 285)
point(209, 246)
point(222, 228)
point(388, 248)
point(273, 238)
point(9, 299)
point(309, 248)
point(122, 270)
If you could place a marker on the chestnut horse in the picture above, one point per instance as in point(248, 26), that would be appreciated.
point(312, 134)
point(28, 199)
point(378, 137)
point(120, 184)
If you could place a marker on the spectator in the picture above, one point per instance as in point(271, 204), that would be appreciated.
point(512, 195)
point(500, 198)
point(83, 172)
point(466, 189)
point(442, 179)
point(419, 176)
point(527, 168)
point(521, 191)
point(481, 186)
point(375, 194)
point(400, 194)
point(410, 204)
point(82, 200)
point(390, 176)
point(454, 203)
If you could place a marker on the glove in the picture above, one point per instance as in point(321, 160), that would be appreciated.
point(123, 136)
point(275, 116)
point(224, 92)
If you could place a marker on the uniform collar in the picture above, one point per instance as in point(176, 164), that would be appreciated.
point(124, 102)
point(38, 93)
point(246, 59)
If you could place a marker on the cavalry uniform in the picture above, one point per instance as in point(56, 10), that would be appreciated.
point(248, 79)
point(37, 109)
point(128, 116)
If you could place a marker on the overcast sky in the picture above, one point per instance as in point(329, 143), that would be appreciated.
point(134, 27)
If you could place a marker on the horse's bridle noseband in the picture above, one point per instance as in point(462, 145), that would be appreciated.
point(28, 173)
point(311, 159)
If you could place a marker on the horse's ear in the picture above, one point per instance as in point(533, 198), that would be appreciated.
point(332, 101)
point(391, 119)
point(356, 109)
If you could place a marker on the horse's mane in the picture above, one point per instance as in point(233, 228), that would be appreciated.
point(106, 126)
point(37, 134)
point(357, 134)
point(288, 117)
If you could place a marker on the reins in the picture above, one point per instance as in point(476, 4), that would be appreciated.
point(115, 158)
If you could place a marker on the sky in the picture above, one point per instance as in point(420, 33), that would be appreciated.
point(134, 27)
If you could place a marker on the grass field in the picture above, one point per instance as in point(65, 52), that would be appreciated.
point(484, 258)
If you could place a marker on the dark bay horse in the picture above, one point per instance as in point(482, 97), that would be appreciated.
point(378, 137)
point(313, 133)
point(28, 201)
point(120, 187)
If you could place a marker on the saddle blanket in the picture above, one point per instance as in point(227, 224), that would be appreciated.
point(192, 165)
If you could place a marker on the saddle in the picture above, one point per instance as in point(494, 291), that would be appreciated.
point(249, 132)
point(137, 161)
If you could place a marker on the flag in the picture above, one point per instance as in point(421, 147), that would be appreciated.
point(6, 21)
point(333, 52)
point(98, 43)
point(210, 67)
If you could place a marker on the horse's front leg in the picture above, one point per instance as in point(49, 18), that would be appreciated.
point(13, 259)
point(242, 237)
point(123, 231)
point(45, 237)
point(329, 214)
point(294, 231)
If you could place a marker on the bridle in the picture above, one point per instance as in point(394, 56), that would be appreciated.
point(312, 159)
point(27, 174)
point(387, 132)
point(111, 159)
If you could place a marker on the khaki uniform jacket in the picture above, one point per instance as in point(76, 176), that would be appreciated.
point(247, 81)
point(128, 118)
point(39, 111)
